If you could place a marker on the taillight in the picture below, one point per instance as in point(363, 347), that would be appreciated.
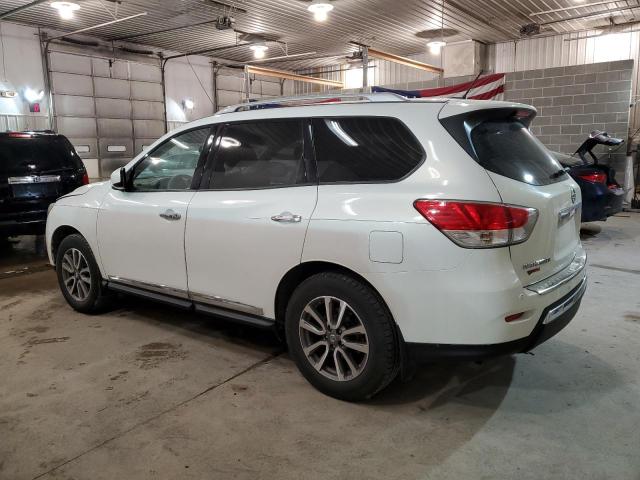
point(595, 177)
point(85, 178)
point(479, 225)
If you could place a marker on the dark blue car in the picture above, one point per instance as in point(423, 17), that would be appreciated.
point(601, 195)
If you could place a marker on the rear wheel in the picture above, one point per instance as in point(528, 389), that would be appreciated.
point(79, 276)
point(341, 336)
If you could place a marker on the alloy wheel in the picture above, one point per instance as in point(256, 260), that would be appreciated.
point(334, 339)
point(76, 275)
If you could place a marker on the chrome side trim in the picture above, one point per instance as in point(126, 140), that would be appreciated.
point(563, 276)
point(195, 297)
point(33, 179)
point(164, 289)
point(556, 312)
point(225, 303)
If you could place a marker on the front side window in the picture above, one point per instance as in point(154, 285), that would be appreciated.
point(364, 149)
point(258, 154)
point(171, 165)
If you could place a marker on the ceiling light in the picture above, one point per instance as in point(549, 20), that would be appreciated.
point(32, 96)
point(65, 9)
point(188, 104)
point(320, 10)
point(435, 46)
point(259, 50)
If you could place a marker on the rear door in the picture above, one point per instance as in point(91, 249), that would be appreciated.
point(525, 174)
point(246, 225)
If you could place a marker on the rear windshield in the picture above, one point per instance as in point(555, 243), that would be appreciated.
point(508, 148)
point(37, 155)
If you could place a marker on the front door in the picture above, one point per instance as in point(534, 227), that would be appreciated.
point(246, 225)
point(141, 232)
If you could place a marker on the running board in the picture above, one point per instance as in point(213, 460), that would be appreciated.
point(230, 315)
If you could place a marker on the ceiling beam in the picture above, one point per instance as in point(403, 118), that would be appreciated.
point(93, 27)
point(21, 8)
point(270, 72)
point(602, 13)
point(408, 62)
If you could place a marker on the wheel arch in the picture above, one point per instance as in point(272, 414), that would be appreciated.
point(59, 234)
point(296, 275)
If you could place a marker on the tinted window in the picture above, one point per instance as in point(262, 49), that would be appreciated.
point(360, 149)
point(508, 148)
point(171, 165)
point(45, 153)
point(259, 154)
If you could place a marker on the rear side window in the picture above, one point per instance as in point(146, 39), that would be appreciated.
point(364, 149)
point(37, 154)
point(508, 148)
point(261, 154)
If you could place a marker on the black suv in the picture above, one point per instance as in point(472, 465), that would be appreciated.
point(35, 169)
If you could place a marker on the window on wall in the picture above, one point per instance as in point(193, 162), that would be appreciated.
point(364, 149)
point(353, 78)
point(260, 155)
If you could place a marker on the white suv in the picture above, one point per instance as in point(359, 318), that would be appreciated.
point(374, 231)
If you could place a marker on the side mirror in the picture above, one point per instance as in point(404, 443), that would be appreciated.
point(120, 180)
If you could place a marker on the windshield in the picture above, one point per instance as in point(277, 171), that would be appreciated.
point(508, 148)
point(19, 156)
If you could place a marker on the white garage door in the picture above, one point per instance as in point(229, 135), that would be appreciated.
point(109, 109)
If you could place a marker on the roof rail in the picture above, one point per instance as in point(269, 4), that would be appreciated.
point(299, 101)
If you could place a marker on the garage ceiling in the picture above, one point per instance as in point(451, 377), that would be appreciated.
point(391, 25)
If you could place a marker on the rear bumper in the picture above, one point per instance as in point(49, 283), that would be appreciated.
point(600, 202)
point(553, 319)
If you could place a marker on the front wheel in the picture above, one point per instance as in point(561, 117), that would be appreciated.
point(79, 276)
point(341, 336)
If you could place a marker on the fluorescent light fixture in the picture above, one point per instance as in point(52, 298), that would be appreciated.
point(337, 129)
point(178, 143)
point(435, 46)
point(33, 96)
point(65, 9)
point(188, 104)
point(229, 142)
point(320, 10)
point(259, 50)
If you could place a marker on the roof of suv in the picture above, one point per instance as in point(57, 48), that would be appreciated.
point(259, 109)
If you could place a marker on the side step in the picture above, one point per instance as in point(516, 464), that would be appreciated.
point(230, 315)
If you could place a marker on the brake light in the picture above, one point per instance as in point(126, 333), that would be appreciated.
point(595, 177)
point(85, 178)
point(479, 224)
point(19, 135)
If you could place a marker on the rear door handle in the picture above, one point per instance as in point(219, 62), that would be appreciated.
point(170, 215)
point(287, 217)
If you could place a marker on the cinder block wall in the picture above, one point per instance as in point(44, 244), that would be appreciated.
point(573, 101)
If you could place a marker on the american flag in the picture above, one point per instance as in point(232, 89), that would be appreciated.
point(489, 87)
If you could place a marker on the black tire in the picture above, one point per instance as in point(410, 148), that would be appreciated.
point(382, 364)
point(96, 298)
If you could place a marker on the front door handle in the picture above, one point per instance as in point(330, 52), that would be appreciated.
point(170, 215)
point(287, 217)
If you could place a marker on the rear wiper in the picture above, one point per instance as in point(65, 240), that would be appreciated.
point(559, 173)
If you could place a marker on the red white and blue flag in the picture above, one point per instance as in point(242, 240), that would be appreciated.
point(490, 87)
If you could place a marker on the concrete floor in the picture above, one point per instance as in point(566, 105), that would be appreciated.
point(150, 392)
